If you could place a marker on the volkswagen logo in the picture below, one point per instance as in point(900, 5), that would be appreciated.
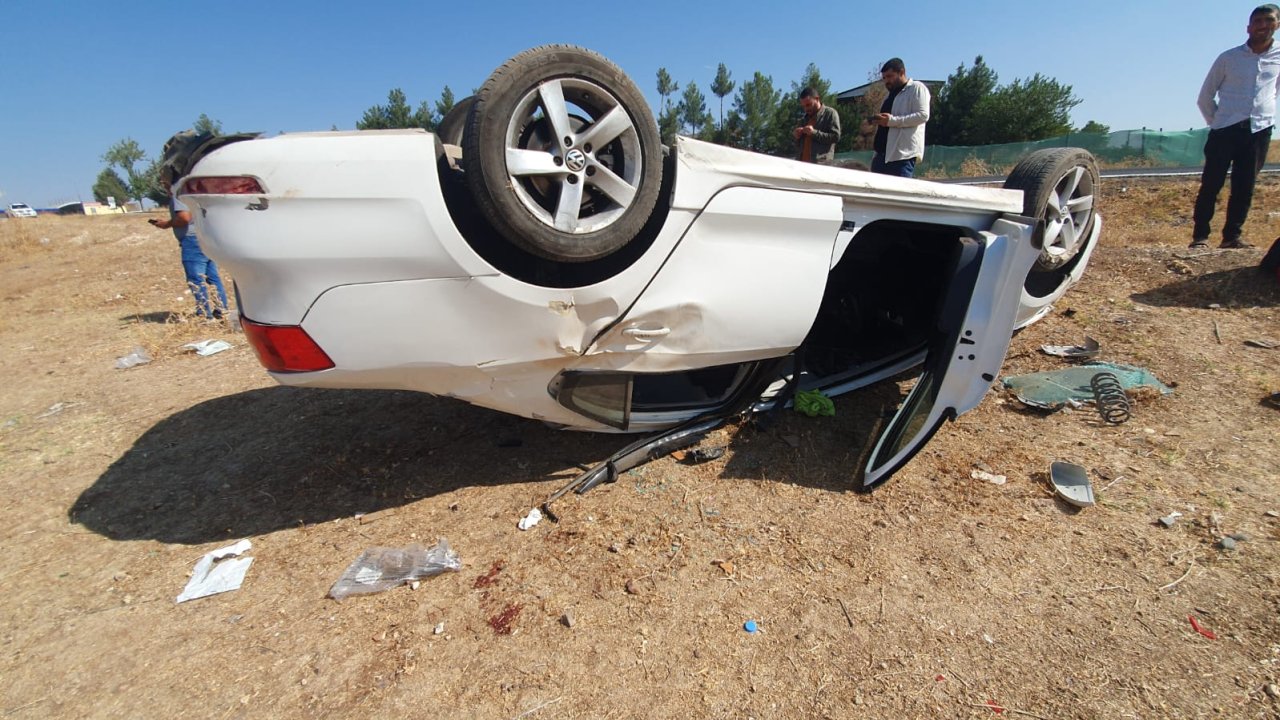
point(575, 160)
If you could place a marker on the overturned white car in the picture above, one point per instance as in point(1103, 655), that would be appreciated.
point(543, 254)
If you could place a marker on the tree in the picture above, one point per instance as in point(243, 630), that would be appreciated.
point(721, 87)
point(754, 108)
point(109, 185)
point(669, 124)
point(395, 114)
point(692, 108)
point(666, 88)
point(126, 154)
point(204, 124)
point(1032, 109)
point(445, 103)
point(152, 189)
point(952, 117)
point(424, 117)
point(1095, 127)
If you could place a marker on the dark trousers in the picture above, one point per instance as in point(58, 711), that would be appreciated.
point(1243, 151)
point(900, 168)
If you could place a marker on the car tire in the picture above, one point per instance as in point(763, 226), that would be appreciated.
point(454, 123)
point(1059, 187)
point(562, 154)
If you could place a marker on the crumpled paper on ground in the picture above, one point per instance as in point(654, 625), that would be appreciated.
point(218, 571)
point(205, 348)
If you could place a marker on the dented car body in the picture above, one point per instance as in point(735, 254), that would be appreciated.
point(360, 262)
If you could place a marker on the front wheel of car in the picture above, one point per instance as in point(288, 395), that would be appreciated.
point(562, 154)
point(1059, 187)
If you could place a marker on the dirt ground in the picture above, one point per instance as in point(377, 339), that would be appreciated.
point(936, 596)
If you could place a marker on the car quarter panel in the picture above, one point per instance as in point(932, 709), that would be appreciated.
point(744, 284)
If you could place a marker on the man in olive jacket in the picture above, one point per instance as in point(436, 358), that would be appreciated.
point(816, 138)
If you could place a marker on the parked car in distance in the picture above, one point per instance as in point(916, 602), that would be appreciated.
point(543, 254)
point(20, 210)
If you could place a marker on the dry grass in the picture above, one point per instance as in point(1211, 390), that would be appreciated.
point(926, 599)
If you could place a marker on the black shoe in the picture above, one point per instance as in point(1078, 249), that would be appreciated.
point(1236, 244)
point(1199, 244)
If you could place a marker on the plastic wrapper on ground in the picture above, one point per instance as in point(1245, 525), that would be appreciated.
point(382, 568)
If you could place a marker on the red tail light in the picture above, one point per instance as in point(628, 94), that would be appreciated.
point(285, 348)
point(222, 186)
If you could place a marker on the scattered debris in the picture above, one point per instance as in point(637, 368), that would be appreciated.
point(1227, 543)
point(1264, 344)
point(1089, 349)
point(1109, 397)
point(997, 709)
point(1273, 400)
point(219, 571)
point(382, 568)
point(567, 619)
point(1054, 390)
point(792, 440)
point(988, 639)
point(725, 565)
point(979, 474)
point(533, 518)
point(139, 356)
point(1071, 482)
point(1195, 624)
point(54, 409)
point(439, 629)
point(814, 404)
point(633, 587)
point(1239, 537)
point(1170, 519)
point(699, 455)
point(205, 348)
point(1272, 514)
point(750, 626)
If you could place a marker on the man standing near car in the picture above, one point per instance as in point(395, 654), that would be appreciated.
point(1244, 81)
point(817, 136)
point(199, 268)
point(899, 142)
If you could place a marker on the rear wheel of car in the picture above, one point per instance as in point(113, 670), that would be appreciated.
point(454, 122)
point(562, 154)
point(1059, 188)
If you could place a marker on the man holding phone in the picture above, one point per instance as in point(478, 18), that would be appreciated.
point(899, 142)
point(818, 133)
point(199, 268)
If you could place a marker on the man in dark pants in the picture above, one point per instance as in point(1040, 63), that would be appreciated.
point(816, 139)
point(899, 141)
point(1244, 81)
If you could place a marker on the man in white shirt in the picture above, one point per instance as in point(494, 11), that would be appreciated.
point(1244, 81)
point(899, 141)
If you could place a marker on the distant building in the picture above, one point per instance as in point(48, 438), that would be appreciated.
point(853, 95)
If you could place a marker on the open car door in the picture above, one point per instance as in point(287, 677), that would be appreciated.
point(969, 344)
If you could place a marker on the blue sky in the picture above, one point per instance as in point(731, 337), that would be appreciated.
point(79, 76)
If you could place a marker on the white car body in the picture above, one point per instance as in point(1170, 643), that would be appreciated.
point(350, 239)
point(20, 210)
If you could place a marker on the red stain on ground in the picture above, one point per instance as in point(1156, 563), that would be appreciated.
point(502, 622)
point(488, 578)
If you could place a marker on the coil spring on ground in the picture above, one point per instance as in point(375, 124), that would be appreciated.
point(1109, 395)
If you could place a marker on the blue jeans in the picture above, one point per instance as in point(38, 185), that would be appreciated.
point(900, 168)
point(200, 271)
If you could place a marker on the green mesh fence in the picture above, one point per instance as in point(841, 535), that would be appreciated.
point(1125, 148)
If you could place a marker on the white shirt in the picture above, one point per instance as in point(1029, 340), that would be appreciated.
point(1245, 84)
point(906, 123)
